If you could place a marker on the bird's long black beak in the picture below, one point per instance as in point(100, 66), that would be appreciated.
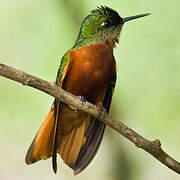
point(135, 17)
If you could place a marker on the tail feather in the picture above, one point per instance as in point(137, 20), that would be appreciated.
point(93, 139)
point(41, 147)
point(77, 148)
point(71, 144)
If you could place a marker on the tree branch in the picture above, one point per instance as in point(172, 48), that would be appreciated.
point(152, 147)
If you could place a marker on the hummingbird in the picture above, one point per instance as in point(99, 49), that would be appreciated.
point(87, 70)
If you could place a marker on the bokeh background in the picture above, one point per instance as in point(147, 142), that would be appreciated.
point(33, 37)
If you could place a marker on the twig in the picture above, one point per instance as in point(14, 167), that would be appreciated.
point(152, 147)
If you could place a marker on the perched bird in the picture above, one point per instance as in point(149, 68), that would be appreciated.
point(87, 70)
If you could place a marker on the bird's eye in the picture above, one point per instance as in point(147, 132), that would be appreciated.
point(105, 23)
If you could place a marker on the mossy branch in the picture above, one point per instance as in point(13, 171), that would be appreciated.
point(152, 147)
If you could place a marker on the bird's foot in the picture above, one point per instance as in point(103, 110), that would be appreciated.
point(102, 111)
point(82, 99)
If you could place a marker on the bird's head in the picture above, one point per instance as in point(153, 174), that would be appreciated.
point(103, 24)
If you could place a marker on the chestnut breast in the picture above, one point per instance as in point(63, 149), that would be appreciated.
point(89, 72)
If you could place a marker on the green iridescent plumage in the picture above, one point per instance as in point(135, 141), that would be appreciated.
point(102, 24)
point(64, 62)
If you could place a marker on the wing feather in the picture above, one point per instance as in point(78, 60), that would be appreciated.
point(44, 144)
point(94, 133)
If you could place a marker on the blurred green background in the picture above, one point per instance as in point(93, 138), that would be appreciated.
point(33, 37)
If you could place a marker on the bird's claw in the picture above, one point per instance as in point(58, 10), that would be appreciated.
point(102, 112)
point(82, 99)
